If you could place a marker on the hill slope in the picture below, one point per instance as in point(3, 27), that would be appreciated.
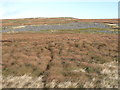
point(39, 21)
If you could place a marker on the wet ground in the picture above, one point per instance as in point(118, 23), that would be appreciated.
point(68, 26)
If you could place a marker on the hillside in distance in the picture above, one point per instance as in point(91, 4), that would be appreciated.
point(60, 20)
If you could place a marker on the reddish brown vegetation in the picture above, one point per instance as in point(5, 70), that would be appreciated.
point(99, 20)
point(39, 21)
point(58, 56)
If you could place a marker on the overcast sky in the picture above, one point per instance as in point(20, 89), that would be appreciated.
point(83, 9)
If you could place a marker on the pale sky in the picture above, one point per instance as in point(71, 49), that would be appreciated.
point(83, 9)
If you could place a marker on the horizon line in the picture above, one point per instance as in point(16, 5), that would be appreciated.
point(58, 17)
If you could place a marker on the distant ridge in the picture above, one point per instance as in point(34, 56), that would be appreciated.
point(99, 20)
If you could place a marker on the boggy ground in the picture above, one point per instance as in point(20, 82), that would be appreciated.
point(60, 60)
